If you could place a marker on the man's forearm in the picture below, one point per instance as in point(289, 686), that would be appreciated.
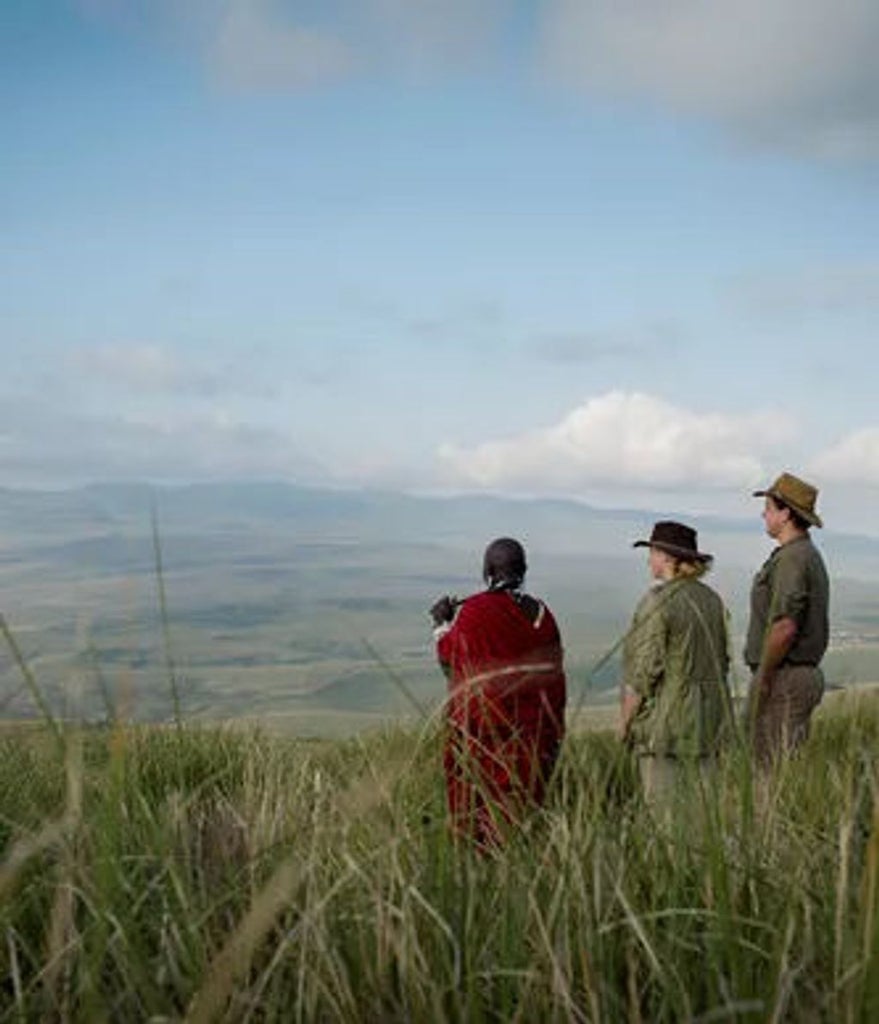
point(630, 701)
point(779, 641)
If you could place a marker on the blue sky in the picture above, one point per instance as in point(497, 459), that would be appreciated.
point(624, 252)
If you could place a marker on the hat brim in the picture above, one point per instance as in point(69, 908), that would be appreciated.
point(811, 517)
point(685, 554)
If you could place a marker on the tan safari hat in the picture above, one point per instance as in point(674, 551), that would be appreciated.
point(796, 494)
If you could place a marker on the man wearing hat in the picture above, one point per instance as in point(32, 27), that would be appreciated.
point(676, 707)
point(788, 628)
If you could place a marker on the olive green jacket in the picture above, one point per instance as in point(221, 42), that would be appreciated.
point(676, 659)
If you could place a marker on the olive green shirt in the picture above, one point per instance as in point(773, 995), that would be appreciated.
point(792, 583)
point(675, 657)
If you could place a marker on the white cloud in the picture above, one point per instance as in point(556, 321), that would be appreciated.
point(291, 44)
point(44, 444)
point(796, 73)
point(436, 32)
point(854, 459)
point(151, 369)
point(627, 439)
point(256, 47)
point(141, 367)
point(799, 74)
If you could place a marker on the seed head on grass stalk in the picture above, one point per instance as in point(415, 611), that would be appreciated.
point(869, 902)
point(332, 814)
point(62, 937)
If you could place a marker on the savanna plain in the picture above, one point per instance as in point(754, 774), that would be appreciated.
point(220, 795)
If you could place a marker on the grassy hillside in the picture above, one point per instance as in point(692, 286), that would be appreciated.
point(154, 873)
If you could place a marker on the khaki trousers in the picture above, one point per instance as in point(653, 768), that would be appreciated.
point(670, 783)
point(780, 720)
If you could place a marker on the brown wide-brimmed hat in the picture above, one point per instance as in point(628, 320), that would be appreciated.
point(796, 494)
point(675, 539)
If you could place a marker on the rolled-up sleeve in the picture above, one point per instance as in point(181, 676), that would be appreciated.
point(644, 647)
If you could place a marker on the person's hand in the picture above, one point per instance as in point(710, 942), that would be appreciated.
point(629, 704)
point(443, 610)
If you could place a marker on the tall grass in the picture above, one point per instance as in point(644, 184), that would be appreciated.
point(156, 874)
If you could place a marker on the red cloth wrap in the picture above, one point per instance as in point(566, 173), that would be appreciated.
point(505, 713)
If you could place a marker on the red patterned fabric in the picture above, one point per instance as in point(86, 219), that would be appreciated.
point(505, 712)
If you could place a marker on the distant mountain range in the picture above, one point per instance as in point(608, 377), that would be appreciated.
point(277, 593)
point(372, 515)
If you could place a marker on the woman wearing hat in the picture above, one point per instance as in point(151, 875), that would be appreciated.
point(676, 706)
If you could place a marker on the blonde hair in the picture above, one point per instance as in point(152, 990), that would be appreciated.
point(685, 569)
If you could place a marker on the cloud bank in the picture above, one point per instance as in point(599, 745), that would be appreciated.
point(854, 459)
point(287, 45)
point(624, 438)
point(796, 73)
point(255, 47)
point(151, 369)
point(43, 445)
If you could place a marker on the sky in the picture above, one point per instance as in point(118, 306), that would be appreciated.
point(619, 251)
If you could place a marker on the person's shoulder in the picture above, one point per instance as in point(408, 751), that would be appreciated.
point(684, 592)
point(815, 564)
point(704, 587)
point(483, 603)
point(540, 613)
point(812, 550)
point(798, 551)
point(709, 595)
point(540, 616)
point(532, 607)
point(652, 598)
point(471, 605)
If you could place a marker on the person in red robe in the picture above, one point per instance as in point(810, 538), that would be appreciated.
point(505, 713)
